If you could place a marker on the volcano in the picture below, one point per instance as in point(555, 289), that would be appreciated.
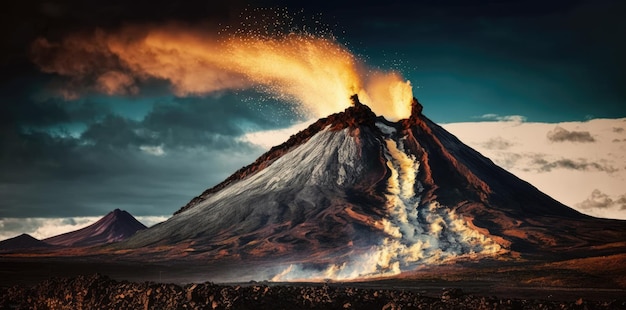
point(355, 195)
point(117, 225)
point(21, 243)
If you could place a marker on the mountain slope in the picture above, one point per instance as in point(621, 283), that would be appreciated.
point(22, 242)
point(461, 178)
point(115, 226)
point(355, 195)
point(276, 208)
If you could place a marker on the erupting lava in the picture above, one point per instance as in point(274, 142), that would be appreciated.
point(318, 73)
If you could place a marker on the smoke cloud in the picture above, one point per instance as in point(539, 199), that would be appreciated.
point(317, 73)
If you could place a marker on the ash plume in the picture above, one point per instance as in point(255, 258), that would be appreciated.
point(317, 73)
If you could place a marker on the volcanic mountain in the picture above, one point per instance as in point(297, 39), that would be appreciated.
point(115, 226)
point(22, 242)
point(355, 195)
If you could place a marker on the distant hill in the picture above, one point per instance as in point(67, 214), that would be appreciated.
point(22, 242)
point(115, 226)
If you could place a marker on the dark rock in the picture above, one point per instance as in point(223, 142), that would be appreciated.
point(453, 293)
point(100, 292)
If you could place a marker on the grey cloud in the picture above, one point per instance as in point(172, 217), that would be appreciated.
point(564, 163)
point(11, 227)
point(507, 160)
point(115, 131)
point(11, 224)
point(102, 179)
point(600, 200)
point(560, 134)
point(497, 144)
point(45, 174)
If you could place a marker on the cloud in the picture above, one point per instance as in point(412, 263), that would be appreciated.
point(497, 143)
point(66, 177)
point(507, 160)
point(41, 228)
point(600, 200)
point(156, 150)
point(559, 134)
point(505, 118)
point(565, 163)
point(151, 220)
point(568, 172)
point(191, 121)
point(62, 159)
point(269, 138)
point(116, 83)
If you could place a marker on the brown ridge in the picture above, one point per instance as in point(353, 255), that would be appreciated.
point(427, 145)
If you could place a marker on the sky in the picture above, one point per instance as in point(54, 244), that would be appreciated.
point(93, 119)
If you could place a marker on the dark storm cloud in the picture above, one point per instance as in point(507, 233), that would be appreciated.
point(149, 166)
point(560, 134)
point(188, 120)
point(544, 165)
point(67, 177)
point(141, 183)
point(115, 131)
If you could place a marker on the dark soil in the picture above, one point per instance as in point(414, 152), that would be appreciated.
point(102, 292)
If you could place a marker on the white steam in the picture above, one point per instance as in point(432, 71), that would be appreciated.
point(416, 233)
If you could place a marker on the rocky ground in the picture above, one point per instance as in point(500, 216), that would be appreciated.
point(101, 292)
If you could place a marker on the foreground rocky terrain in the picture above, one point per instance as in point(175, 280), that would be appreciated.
point(102, 292)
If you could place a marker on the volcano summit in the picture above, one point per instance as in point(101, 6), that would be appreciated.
point(356, 196)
